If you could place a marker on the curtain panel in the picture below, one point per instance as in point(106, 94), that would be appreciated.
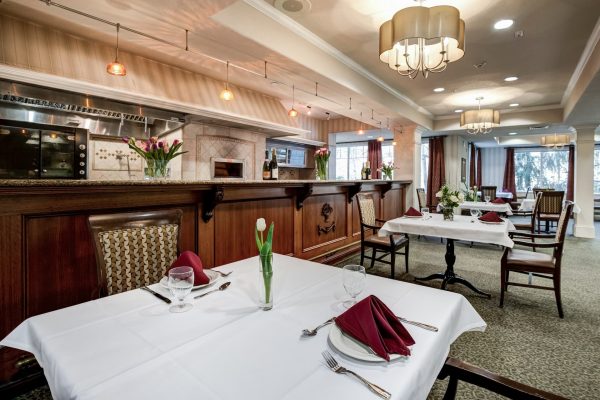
point(571, 173)
point(472, 165)
point(374, 157)
point(508, 184)
point(437, 169)
point(479, 171)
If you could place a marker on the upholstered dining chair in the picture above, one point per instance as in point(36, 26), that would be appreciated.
point(536, 190)
point(537, 264)
point(550, 207)
point(532, 214)
point(422, 198)
point(390, 245)
point(488, 191)
point(134, 249)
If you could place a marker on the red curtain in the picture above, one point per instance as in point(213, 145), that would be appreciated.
point(375, 159)
point(472, 166)
point(437, 169)
point(508, 185)
point(479, 174)
point(571, 173)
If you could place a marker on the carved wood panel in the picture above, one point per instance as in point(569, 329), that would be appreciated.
point(317, 229)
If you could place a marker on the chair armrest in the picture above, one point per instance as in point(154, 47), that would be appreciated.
point(460, 370)
point(532, 235)
point(376, 228)
point(383, 221)
point(536, 244)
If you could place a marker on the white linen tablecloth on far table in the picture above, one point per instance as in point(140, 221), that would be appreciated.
point(503, 195)
point(128, 346)
point(483, 206)
point(527, 205)
point(462, 228)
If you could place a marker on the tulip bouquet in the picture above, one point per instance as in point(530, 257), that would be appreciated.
point(157, 154)
point(265, 250)
point(470, 193)
point(321, 159)
point(449, 199)
point(387, 169)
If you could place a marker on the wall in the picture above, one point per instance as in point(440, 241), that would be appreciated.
point(455, 149)
point(493, 162)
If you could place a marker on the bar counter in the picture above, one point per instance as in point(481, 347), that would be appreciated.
point(47, 258)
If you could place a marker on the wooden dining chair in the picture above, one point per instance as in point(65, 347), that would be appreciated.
point(459, 370)
point(550, 207)
point(537, 264)
point(488, 191)
point(530, 227)
point(134, 249)
point(390, 245)
point(422, 198)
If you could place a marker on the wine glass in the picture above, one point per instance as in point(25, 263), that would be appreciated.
point(487, 199)
point(181, 281)
point(354, 282)
point(425, 212)
point(474, 214)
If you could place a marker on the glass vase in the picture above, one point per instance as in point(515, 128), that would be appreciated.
point(157, 169)
point(387, 177)
point(321, 170)
point(448, 213)
point(265, 279)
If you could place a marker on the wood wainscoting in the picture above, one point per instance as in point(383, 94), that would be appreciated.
point(47, 256)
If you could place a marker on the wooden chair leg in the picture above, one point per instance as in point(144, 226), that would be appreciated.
point(362, 255)
point(557, 295)
point(507, 276)
point(373, 254)
point(503, 278)
point(406, 257)
point(451, 388)
point(393, 263)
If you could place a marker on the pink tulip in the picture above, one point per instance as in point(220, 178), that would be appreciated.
point(161, 144)
point(125, 139)
point(153, 139)
point(176, 142)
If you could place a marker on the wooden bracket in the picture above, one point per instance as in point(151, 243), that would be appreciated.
point(386, 187)
point(302, 194)
point(325, 229)
point(353, 191)
point(210, 201)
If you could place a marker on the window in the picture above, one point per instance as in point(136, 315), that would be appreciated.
point(597, 170)
point(424, 163)
point(541, 168)
point(350, 158)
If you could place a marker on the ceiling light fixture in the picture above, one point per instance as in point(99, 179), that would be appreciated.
point(555, 141)
point(422, 40)
point(226, 94)
point(479, 121)
point(513, 133)
point(511, 78)
point(503, 24)
point(380, 139)
point(292, 112)
point(458, 110)
point(513, 105)
point(439, 89)
point(393, 143)
point(309, 110)
point(361, 131)
point(115, 67)
point(328, 115)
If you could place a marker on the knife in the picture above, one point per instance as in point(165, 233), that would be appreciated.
point(156, 294)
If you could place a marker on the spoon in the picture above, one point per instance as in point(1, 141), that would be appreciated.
point(313, 332)
point(220, 288)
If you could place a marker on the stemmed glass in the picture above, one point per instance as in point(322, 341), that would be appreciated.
point(487, 199)
point(181, 281)
point(425, 212)
point(354, 282)
point(474, 214)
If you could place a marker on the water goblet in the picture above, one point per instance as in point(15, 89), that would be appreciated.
point(487, 199)
point(181, 281)
point(474, 214)
point(425, 212)
point(354, 282)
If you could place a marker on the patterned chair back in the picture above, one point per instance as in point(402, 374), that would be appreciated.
point(134, 249)
point(537, 190)
point(551, 202)
point(488, 191)
point(366, 208)
point(422, 197)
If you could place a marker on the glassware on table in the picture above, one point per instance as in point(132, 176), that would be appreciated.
point(354, 277)
point(487, 199)
point(181, 281)
point(474, 213)
point(425, 212)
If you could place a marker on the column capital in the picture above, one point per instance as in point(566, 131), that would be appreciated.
point(586, 127)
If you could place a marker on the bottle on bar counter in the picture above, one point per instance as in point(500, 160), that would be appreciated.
point(266, 170)
point(363, 172)
point(368, 170)
point(273, 166)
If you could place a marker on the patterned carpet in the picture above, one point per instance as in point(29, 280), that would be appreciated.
point(526, 340)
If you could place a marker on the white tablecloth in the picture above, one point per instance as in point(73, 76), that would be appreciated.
point(129, 346)
point(504, 195)
point(527, 205)
point(462, 228)
point(483, 206)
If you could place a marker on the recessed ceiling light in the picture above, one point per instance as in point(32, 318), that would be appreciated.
point(512, 133)
point(369, 137)
point(439, 89)
point(511, 78)
point(458, 111)
point(514, 105)
point(503, 24)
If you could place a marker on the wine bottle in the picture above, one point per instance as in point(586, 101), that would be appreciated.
point(363, 172)
point(266, 170)
point(273, 166)
point(368, 170)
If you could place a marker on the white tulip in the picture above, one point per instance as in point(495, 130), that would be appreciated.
point(461, 197)
point(454, 199)
point(261, 225)
point(438, 194)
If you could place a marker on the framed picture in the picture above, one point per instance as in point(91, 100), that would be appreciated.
point(463, 170)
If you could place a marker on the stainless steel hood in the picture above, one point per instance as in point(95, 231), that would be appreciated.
point(99, 116)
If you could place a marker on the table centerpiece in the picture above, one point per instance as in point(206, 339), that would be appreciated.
point(265, 256)
point(449, 199)
point(321, 160)
point(157, 154)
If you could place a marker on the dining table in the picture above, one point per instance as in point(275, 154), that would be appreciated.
point(503, 208)
point(527, 205)
point(129, 346)
point(461, 227)
point(502, 195)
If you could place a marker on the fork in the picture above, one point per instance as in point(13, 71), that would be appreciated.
point(335, 367)
point(313, 332)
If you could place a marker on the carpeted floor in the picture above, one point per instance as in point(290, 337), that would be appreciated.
point(526, 340)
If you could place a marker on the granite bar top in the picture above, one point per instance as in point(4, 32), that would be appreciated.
point(15, 183)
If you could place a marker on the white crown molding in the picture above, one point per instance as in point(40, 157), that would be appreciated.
point(512, 110)
point(324, 46)
point(583, 60)
point(92, 89)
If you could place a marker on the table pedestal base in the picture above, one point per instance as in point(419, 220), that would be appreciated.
point(449, 276)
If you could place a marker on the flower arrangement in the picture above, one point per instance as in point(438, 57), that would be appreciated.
point(387, 169)
point(157, 154)
point(449, 199)
point(265, 251)
point(321, 158)
point(470, 193)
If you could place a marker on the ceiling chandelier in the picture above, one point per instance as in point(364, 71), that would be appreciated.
point(556, 141)
point(479, 121)
point(422, 39)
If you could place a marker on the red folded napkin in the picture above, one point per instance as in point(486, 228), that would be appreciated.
point(490, 217)
point(191, 259)
point(411, 212)
point(498, 200)
point(372, 323)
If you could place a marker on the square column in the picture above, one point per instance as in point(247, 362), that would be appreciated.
point(584, 182)
point(407, 158)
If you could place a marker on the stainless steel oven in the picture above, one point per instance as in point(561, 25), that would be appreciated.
point(39, 151)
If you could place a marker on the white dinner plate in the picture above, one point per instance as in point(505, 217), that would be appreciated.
point(491, 223)
point(412, 216)
point(353, 348)
point(212, 278)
